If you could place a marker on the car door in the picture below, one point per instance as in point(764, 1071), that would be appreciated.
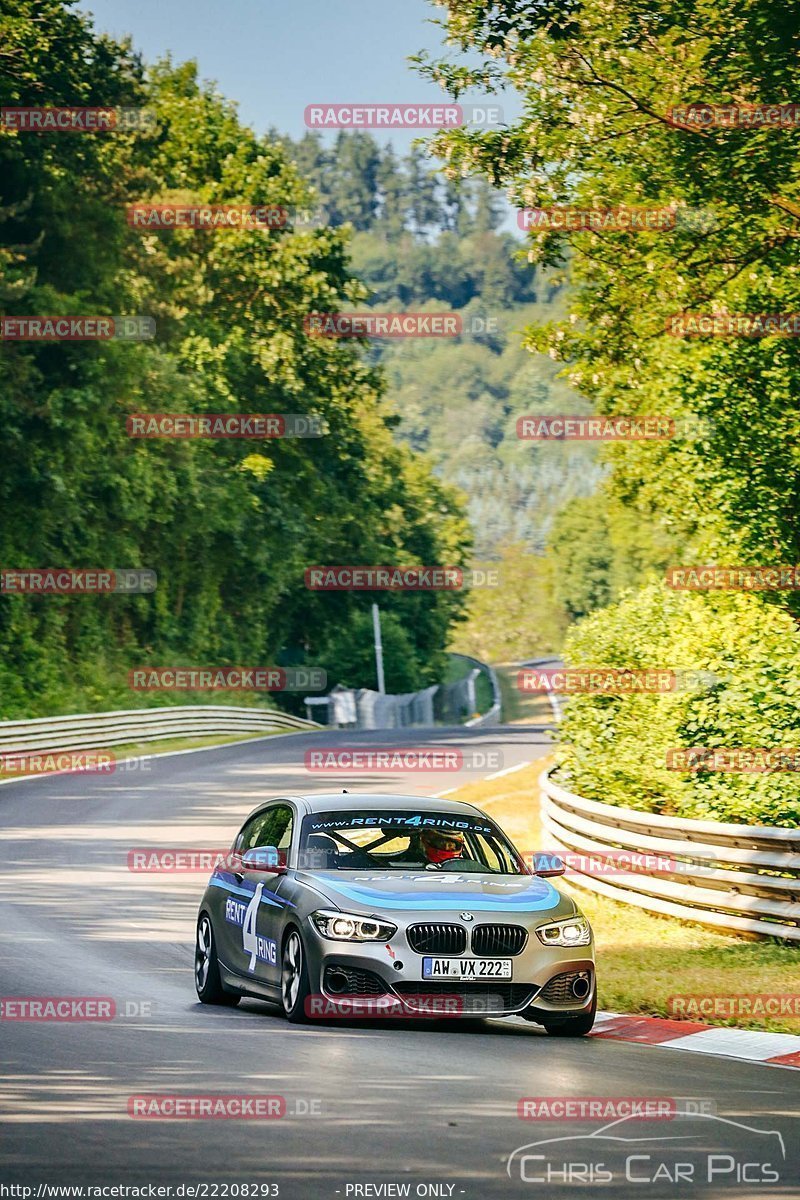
point(260, 911)
point(235, 897)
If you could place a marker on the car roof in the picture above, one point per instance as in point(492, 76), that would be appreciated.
point(337, 800)
point(343, 801)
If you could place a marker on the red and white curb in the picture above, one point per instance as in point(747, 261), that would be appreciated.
point(774, 1049)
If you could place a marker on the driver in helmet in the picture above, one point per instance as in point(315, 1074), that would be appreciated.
point(432, 846)
point(438, 846)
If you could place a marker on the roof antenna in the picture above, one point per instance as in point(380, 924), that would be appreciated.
point(345, 792)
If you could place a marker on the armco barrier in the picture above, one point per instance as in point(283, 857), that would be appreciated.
point(742, 878)
point(441, 704)
point(93, 730)
point(492, 714)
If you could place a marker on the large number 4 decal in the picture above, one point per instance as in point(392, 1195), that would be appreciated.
point(249, 938)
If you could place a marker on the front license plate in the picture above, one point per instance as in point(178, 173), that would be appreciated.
point(466, 968)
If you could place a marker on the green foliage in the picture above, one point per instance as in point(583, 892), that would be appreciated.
point(597, 85)
point(229, 526)
point(743, 659)
point(599, 547)
point(580, 546)
point(350, 655)
point(516, 619)
point(455, 269)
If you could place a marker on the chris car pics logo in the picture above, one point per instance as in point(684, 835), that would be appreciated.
point(699, 1148)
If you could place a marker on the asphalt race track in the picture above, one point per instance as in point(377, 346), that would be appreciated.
point(429, 1107)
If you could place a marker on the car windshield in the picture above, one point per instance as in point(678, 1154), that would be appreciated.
point(407, 840)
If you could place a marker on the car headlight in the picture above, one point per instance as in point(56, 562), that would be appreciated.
point(350, 927)
point(575, 932)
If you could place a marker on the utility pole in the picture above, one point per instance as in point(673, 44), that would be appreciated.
point(376, 628)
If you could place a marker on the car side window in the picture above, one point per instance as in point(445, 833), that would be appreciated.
point(248, 838)
point(270, 828)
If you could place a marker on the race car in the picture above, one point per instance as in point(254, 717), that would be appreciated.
point(380, 904)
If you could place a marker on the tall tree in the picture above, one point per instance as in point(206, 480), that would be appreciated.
point(601, 91)
point(228, 526)
point(422, 193)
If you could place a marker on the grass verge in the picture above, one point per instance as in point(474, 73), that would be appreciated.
point(644, 959)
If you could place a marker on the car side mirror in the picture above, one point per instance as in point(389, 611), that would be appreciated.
point(546, 865)
point(263, 858)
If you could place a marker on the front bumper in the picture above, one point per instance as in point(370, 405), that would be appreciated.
point(371, 977)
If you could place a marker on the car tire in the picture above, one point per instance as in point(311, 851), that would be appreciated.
point(574, 1026)
point(207, 979)
point(295, 989)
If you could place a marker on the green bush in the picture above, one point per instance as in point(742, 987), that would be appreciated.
point(742, 656)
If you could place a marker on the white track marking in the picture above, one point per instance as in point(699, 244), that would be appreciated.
point(508, 770)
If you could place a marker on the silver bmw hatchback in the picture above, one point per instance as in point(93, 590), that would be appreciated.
point(376, 905)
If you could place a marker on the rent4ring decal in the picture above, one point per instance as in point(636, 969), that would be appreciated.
point(244, 915)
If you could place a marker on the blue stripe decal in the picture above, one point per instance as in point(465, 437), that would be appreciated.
point(224, 880)
point(521, 902)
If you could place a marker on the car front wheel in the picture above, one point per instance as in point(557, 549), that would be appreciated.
point(295, 990)
point(207, 978)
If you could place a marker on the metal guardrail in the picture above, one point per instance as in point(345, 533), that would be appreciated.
point(363, 708)
point(492, 714)
point(93, 730)
point(742, 878)
point(441, 704)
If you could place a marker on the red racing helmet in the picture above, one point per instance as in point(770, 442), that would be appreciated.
point(438, 846)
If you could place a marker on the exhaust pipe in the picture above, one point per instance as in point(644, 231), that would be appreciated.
point(581, 987)
point(336, 982)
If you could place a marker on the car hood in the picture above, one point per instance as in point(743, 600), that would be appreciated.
point(415, 891)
